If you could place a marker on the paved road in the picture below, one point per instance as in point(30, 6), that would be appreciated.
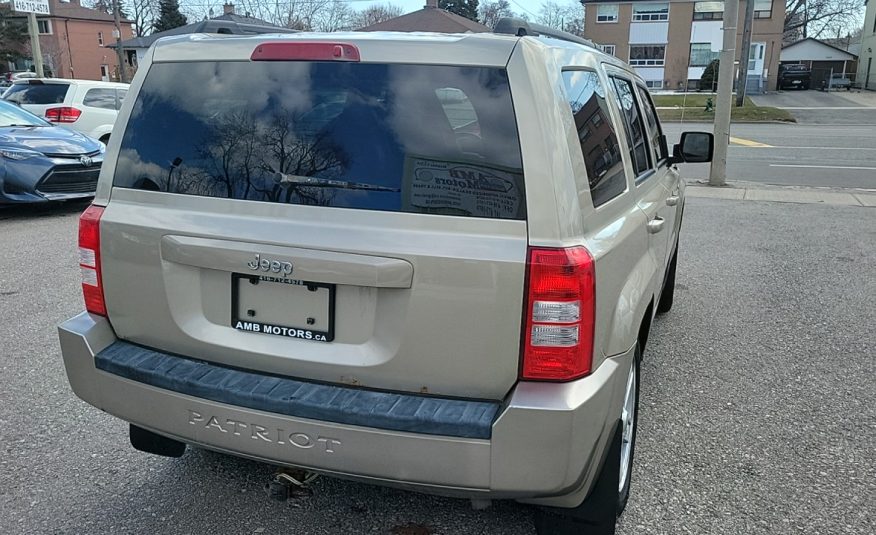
point(825, 108)
point(758, 406)
point(794, 154)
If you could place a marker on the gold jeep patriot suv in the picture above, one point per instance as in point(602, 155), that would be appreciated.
point(421, 260)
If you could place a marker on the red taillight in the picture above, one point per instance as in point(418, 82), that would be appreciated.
point(559, 314)
point(64, 114)
point(297, 51)
point(89, 260)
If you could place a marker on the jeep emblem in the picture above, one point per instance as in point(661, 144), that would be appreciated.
point(270, 266)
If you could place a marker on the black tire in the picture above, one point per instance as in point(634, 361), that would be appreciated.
point(598, 513)
point(667, 295)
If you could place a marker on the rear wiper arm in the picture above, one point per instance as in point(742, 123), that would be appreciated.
point(297, 180)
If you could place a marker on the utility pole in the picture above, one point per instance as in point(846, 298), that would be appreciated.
point(744, 54)
point(123, 72)
point(718, 171)
point(34, 32)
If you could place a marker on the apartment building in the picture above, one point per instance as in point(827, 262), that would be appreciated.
point(670, 43)
point(866, 65)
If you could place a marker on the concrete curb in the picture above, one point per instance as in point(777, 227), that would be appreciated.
point(791, 194)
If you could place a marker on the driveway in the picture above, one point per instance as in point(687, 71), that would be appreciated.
point(758, 407)
point(825, 108)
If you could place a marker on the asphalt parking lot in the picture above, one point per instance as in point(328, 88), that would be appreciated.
point(758, 407)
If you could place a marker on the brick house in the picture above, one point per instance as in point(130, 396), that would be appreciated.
point(671, 42)
point(73, 40)
point(429, 19)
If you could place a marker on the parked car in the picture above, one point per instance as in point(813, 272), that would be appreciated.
point(86, 106)
point(42, 162)
point(11, 77)
point(839, 81)
point(794, 76)
point(378, 290)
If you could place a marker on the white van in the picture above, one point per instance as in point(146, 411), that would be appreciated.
point(85, 106)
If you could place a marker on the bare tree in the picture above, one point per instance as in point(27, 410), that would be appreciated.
point(143, 13)
point(567, 16)
point(817, 18)
point(491, 12)
point(338, 15)
point(375, 14)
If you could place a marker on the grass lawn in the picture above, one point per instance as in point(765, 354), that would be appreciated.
point(695, 109)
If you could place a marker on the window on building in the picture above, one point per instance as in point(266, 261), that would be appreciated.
point(599, 145)
point(608, 49)
point(635, 127)
point(606, 13)
point(44, 27)
point(763, 9)
point(709, 10)
point(650, 12)
point(100, 38)
point(701, 54)
point(647, 55)
point(654, 84)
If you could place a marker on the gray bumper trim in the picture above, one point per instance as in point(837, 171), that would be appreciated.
point(353, 406)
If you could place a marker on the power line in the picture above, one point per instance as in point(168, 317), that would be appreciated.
point(516, 3)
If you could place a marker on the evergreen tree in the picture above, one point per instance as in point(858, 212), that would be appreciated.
point(13, 35)
point(709, 78)
point(463, 8)
point(169, 16)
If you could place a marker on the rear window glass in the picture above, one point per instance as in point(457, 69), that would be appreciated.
point(36, 93)
point(407, 138)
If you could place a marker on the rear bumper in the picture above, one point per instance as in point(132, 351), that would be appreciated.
point(545, 442)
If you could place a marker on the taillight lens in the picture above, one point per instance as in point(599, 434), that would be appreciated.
point(89, 260)
point(64, 114)
point(559, 315)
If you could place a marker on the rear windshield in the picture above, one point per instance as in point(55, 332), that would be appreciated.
point(404, 138)
point(36, 93)
point(798, 68)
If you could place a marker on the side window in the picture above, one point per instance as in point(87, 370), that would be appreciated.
point(100, 98)
point(597, 135)
point(653, 123)
point(459, 111)
point(121, 94)
point(635, 127)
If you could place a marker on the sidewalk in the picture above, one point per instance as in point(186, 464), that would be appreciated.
point(748, 191)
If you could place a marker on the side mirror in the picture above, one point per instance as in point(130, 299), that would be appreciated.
point(694, 147)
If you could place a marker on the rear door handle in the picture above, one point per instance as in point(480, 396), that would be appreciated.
point(656, 225)
point(672, 201)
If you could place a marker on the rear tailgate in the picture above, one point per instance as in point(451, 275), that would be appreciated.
point(351, 223)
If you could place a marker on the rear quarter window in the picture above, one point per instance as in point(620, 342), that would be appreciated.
point(100, 98)
point(597, 135)
point(37, 93)
point(408, 138)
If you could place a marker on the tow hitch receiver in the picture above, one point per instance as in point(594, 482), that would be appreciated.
point(291, 483)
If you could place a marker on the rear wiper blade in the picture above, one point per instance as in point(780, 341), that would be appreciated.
point(297, 180)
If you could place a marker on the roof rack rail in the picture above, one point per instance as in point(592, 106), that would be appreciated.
point(520, 28)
